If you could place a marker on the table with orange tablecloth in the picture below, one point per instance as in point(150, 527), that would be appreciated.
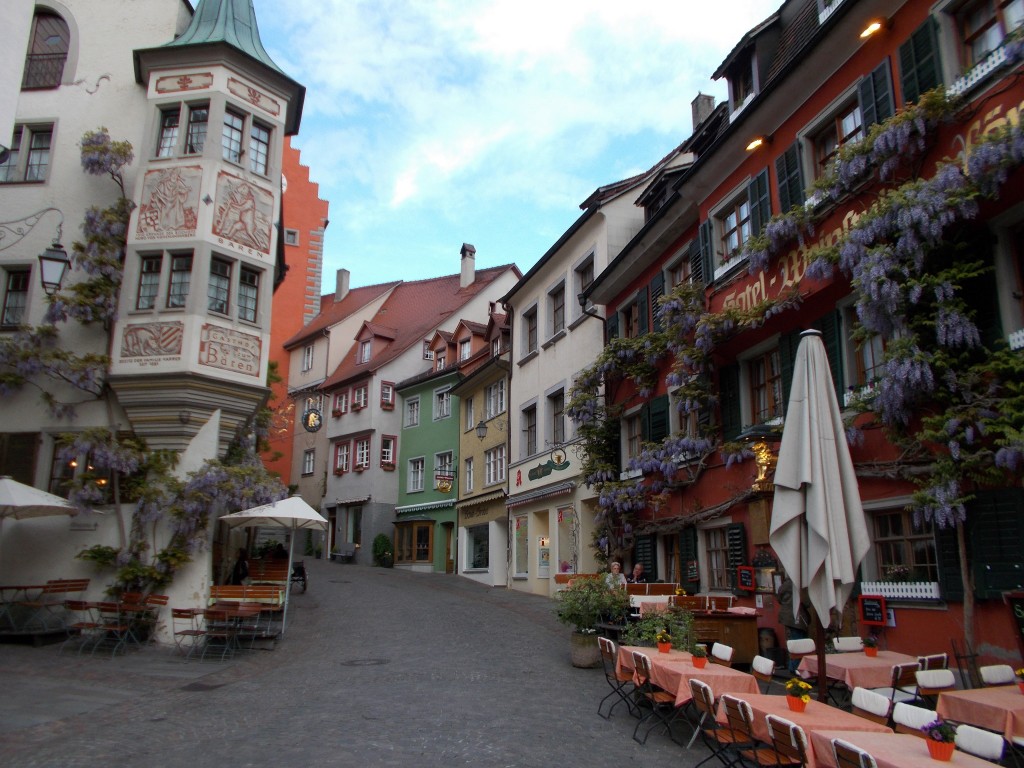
point(997, 708)
point(890, 750)
point(817, 716)
point(673, 671)
point(856, 668)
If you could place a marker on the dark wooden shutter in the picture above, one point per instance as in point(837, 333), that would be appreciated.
point(689, 569)
point(657, 418)
point(920, 66)
point(18, 451)
point(788, 344)
point(705, 235)
point(790, 178)
point(951, 585)
point(875, 93)
point(645, 551)
point(760, 202)
point(996, 542)
point(657, 290)
point(736, 555)
point(642, 309)
point(729, 401)
point(831, 326)
point(611, 326)
point(696, 264)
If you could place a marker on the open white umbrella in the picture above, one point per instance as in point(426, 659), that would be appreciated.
point(818, 528)
point(19, 501)
point(292, 513)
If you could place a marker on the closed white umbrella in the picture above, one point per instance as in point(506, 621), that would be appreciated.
point(292, 513)
point(818, 528)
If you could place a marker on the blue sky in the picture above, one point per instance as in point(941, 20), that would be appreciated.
point(431, 124)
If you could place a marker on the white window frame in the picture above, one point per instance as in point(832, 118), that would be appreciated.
point(468, 472)
point(465, 349)
point(387, 449)
point(308, 461)
point(307, 358)
point(495, 399)
point(342, 456)
point(495, 465)
point(556, 320)
point(341, 402)
point(444, 463)
point(360, 396)
point(470, 413)
point(442, 403)
point(364, 351)
point(417, 469)
point(362, 452)
point(412, 412)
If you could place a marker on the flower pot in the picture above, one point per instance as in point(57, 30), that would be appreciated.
point(585, 651)
point(940, 750)
point(664, 647)
point(700, 661)
point(1021, 686)
point(870, 651)
point(796, 703)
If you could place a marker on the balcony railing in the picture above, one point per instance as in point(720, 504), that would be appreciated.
point(902, 590)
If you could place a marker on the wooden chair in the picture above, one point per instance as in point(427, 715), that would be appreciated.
point(739, 718)
point(934, 661)
point(851, 756)
point(621, 683)
point(980, 743)
point(115, 627)
point(788, 740)
point(702, 698)
point(721, 654)
point(220, 629)
point(662, 704)
point(903, 685)
point(723, 739)
point(187, 631)
point(763, 668)
point(849, 644)
point(83, 627)
point(996, 674)
point(906, 718)
point(689, 602)
point(932, 682)
point(870, 705)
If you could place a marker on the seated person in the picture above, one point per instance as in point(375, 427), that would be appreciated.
point(638, 576)
point(615, 577)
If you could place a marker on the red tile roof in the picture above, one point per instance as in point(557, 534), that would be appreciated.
point(332, 313)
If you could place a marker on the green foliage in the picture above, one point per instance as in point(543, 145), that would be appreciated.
point(678, 622)
point(383, 551)
point(101, 556)
point(586, 601)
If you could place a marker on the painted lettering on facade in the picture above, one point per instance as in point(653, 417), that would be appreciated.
point(229, 350)
point(999, 116)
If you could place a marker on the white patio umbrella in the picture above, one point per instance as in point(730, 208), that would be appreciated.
point(292, 513)
point(19, 501)
point(818, 528)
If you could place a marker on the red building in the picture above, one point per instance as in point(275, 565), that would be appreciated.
point(849, 184)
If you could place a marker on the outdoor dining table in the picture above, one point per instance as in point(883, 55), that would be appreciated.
point(817, 716)
point(673, 671)
point(890, 750)
point(998, 707)
point(856, 668)
point(13, 595)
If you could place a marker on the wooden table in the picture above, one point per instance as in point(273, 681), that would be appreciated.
point(999, 707)
point(857, 668)
point(817, 716)
point(673, 671)
point(890, 750)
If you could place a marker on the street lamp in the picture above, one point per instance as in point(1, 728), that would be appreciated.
point(53, 266)
point(481, 429)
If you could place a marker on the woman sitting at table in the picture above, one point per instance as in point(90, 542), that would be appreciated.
point(615, 577)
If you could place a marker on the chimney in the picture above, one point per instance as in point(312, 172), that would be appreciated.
point(341, 285)
point(702, 107)
point(468, 274)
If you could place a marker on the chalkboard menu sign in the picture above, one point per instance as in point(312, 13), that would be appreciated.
point(745, 578)
point(1016, 603)
point(872, 610)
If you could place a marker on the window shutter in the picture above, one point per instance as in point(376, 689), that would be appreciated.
point(788, 344)
point(657, 415)
point(996, 541)
point(760, 202)
point(18, 451)
point(790, 178)
point(736, 541)
point(705, 235)
point(657, 290)
point(645, 551)
point(875, 93)
point(729, 401)
point(830, 326)
point(920, 66)
point(611, 326)
point(951, 586)
point(689, 572)
point(642, 325)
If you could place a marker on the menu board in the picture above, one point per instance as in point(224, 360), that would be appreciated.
point(745, 578)
point(872, 610)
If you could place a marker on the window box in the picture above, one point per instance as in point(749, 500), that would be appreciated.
point(387, 406)
point(976, 74)
point(357, 406)
point(339, 471)
point(387, 466)
point(336, 413)
point(359, 467)
point(902, 590)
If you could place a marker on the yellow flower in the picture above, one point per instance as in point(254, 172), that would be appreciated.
point(805, 698)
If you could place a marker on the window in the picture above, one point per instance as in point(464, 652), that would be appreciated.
point(149, 282)
point(442, 404)
point(718, 557)
point(845, 126)
point(414, 542)
point(387, 395)
point(412, 412)
point(363, 353)
point(308, 461)
point(899, 541)
point(634, 435)
point(440, 361)
point(443, 465)
point(556, 406)
point(584, 275)
point(495, 395)
point(231, 138)
point(291, 237)
point(181, 279)
point(307, 358)
point(741, 218)
point(30, 165)
point(477, 557)
point(219, 289)
point(530, 330)
point(465, 349)
point(428, 353)
point(679, 272)
point(741, 80)
point(259, 148)
point(470, 415)
point(521, 542)
point(341, 403)
point(415, 475)
point(387, 451)
point(631, 319)
point(467, 472)
point(556, 300)
point(363, 452)
point(248, 294)
point(359, 397)
point(529, 431)
point(494, 465)
point(198, 119)
point(169, 120)
point(47, 52)
point(341, 458)
point(15, 297)
point(495, 347)
point(984, 24)
point(735, 222)
point(766, 387)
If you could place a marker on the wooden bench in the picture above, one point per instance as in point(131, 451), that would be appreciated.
point(267, 595)
point(46, 608)
point(268, 572)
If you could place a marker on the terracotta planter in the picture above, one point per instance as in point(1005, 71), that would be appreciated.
point(796, 703)
point(940, 750)
point(586, 653)
point(1021, 686)
point(870, 651)
point(700, 661)
point(664, 647)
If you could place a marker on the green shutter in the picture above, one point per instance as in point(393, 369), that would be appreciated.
point(736, 553)
point(689, 566)
point(729, 401)
point(996, 542)
point(875, 93)
point(830, 326)
point(705, 236)
point(642, 325)
point(920, 66)
point(645, 551)
point(951, 585)
point(760, 202)
point(657, 416)
point(611, 326)
point(788, 344)
point(657, 290)
point(790, 178)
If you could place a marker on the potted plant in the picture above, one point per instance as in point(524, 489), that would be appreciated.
point(797, 694)
point(700, 656)
point(871, 645)
point(941, 738)
point(383, 553)
point(677, 623)
point(664, 641)
point(581, 605)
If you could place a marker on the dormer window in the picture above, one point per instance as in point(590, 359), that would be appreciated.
point(464, 349)
point(364, 351)
point(741, 81)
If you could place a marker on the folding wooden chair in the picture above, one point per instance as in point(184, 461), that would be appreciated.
point(187, 631)
point(849, 644)
point(934, 661)
point(870, 705)
point(932, 682)
point(903, 686)
point(220, 629)
point(724, 740)
point(996, 674)
point(115, 629)
point(83, 627)
point(851, 756)
point(663, 709)
point(980, 743)
point(799, 648)
point(906, 718)
point(721, 654)
point(763, 668)
point(621, 683)
point(788, 740)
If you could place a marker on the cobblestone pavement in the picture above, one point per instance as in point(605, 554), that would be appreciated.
point(378, 667)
